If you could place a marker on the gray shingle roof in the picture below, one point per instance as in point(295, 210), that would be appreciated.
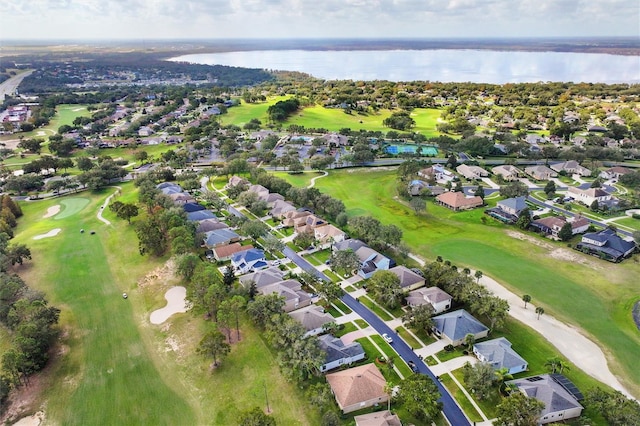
point(499, 354)
point(457, 324)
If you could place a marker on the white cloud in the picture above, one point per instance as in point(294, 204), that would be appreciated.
point(305, 18)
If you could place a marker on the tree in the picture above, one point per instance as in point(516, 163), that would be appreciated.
point(228, 277)
point(518, 410)
point(550, 189)
point(124, 210)
point(539, 311)
point(418, 205)
point(419, 317)
point(17, 253)
point(479, 192)
point(385, 288)
point(329, 290)
point(84, 163)
point(514, 189)
point(344, 261)
point(254, 229)
point(594, 206)
point(419, 396)
point(566, 232)
point(34, 146)
point(556, 365)
point(524, 220)
point(480, 378)
point(264, 307)
point(502, 375)
point(469, 340)
point(213, 345)
point(236, 304)
point(272, 244)
point(478, 274)
point(187, 264)
point(526, 299)
point(615, 407)
point(255, 417)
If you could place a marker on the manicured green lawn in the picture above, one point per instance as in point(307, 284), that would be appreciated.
point(362, 323)
point(117, 367)
point(375, 308)
point(411, 341)
point(347, 327)
point(595, 295)
point(629, 222)
point(461, 398)
point(332, 119)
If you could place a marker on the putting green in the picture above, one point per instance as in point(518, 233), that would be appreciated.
point(71, 206)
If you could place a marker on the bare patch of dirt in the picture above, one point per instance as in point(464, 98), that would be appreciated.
point(161, 275)
point(563, 254)
point(22, 402)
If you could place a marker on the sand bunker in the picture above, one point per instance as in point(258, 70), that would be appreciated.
point(175, 303)
point(52, 211)
point(51, 233)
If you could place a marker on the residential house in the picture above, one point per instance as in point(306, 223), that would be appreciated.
point(262, 277)
point(499, 354)
point(615, 172)
point(534, 139)
point(308, 224)
point(338, 353)
point(236, 180)
point(540, 172)
point(180, 198)
point(358, 387)
point(589, 195)
point(220, 237)
point(280, 208)
point(507, 171)
point(457, 324)
point(378, 418)
point(472, 172)
point(294, 217)
point(145, 131)
point(457, 201)
point(270, 198)
point(439, 299)
point(370, 260)
point(606, 244)
point(328, 234)
point(210, 225)
point(513, 206)
point(248, 260)
point(559, 396)
point(437, 172)
point(192, 207)
point(313, 318)
point(200, 215)
point(551, 225)
point(420, 187)
point(291, 290)
point(225, 252)
point(169, 188)
point(409, 280)
point(571, 167)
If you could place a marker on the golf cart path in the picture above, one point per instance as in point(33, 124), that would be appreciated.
point(578, 349)
point(312, 183)
point(104, 206)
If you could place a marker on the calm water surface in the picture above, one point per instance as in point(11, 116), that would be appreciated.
point(478, 66)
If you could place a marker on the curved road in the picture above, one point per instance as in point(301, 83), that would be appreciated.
point(450, 408)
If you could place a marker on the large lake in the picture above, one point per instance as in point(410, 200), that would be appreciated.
point(478, 66)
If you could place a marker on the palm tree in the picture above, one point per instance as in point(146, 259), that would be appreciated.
point(478, 275)
point(556, 365)
point(502, 375)
point(539, 311)
point(526, 298)
point(469, 340)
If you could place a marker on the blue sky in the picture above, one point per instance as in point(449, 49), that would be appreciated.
point(175, 19)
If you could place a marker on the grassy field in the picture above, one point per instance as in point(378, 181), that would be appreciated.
point(65, 114)
point(332, 119)
point(591, 294)
point(117, 367)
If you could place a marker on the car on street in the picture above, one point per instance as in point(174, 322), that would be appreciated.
point(413, 366)
point(387, 338)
